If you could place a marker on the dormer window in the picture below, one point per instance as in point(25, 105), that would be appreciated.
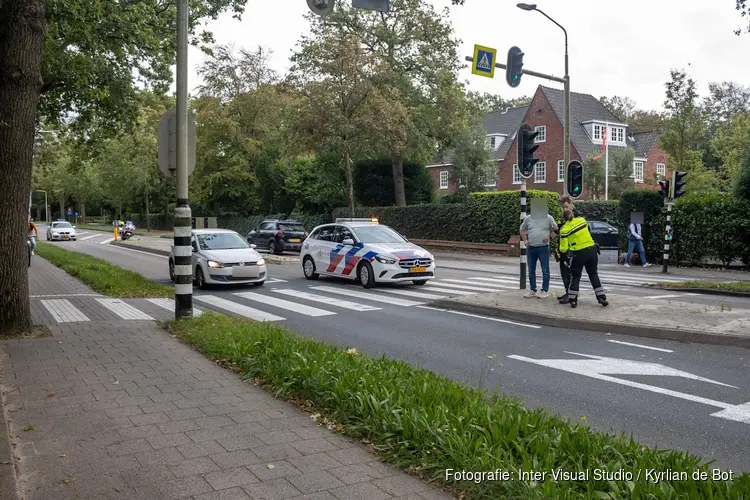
point(494, 141)
point(615, 134)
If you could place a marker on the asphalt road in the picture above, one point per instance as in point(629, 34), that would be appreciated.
point(655, 403)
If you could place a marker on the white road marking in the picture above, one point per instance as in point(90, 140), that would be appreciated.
point(63, 311)
point(597, 366)
point(436, 287)
point(236, 308)
point(67, 295)
point(275, 280)
point(675, 296)
point(442, 284)
point(640, 345)
point(489, 318)
point(409, 293)
point(124, 310)
point(106, 241)
point(284, 304)
point(368, 295)
point(89, 237)
point(170, 306)
point(354, 306)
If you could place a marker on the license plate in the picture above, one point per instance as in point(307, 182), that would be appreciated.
point(65, 236)
point(418, 270)
point(245, 271)
point(294, 240)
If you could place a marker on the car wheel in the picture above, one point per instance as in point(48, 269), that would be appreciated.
point(259, 283)
point(47, 237)
point(272, 248)
point(308, 267)
point(365, 275)
point(420, 282)
point(171, 270)
point(200, 280)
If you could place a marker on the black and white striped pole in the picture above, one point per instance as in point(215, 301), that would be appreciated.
point(667, 236)
point(522, 284)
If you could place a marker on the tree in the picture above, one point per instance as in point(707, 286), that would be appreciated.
point(227, 76)
point(472, 161)
point(742, 184)
point(486, 102)
point(417, 47)
point(730, 144)
point(638, 120)
point(77, 61)
point(620, 171)
point(725, 101)
point(594, 175)
point(622, 107)
point(741, 6)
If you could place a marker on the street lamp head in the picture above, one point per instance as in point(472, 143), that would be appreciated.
point(527, 6)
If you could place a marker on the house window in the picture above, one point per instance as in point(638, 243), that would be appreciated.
point(598, 132)
point(540, 172)
point(443, 179)
point(638, 171)
point(488, 177)
point(617, 134)
point(661, 170)
point(560, 170)
point(542, 137)
point(493, 142)
point(517, 179)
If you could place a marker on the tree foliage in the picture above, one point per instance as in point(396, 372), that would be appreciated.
point(594, 175)
point(620, 171)
point(472, 161)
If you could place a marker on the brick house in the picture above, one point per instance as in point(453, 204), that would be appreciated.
point(588, 119)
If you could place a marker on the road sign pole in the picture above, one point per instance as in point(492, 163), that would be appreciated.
point(522, 283)
point(667, 236)
point(183, 269)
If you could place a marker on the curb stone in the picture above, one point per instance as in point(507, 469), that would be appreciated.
point(8, 479)
point(703, 291)
point(271, 259)
point(679, 335)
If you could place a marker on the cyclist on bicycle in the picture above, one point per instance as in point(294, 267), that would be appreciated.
point(33, 231)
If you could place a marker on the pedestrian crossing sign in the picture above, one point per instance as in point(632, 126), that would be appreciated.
point(484, 61)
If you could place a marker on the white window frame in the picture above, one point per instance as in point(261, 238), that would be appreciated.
point(597, 132)
point(617, 135)
point(636, 165)
point(517, 177)
point(540, 167)
point(542, 137)
point(661, 169)
point(490, 176)
point(444, 179)
point(560, 170)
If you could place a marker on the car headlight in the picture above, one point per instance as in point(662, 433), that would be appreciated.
point(262, 262)
point(54, 233)
point(214, 264)
point(385, 260)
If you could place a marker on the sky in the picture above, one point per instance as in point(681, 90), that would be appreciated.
point(624, 48)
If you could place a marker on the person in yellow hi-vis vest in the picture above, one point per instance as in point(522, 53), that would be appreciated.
point(576, 239)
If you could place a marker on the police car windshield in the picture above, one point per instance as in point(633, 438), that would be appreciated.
point(221, 241)
point(378, 234)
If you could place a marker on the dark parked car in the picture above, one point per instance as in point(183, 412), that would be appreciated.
point(604, 234)
point(278, 236)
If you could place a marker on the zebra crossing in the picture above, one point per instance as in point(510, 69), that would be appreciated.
point(279, 301)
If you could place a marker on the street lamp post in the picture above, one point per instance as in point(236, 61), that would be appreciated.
point(46, 206)
point(566, 124)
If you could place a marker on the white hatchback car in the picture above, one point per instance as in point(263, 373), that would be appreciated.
point(364, 250)
point(222, 256)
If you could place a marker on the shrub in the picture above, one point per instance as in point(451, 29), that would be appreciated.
point(373, 183)
point(496, 214)
point(605, 211)
point(652, 205)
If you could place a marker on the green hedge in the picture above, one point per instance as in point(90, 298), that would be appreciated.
point(652, 205)
point(244, 225)
point(158, 221)
point(605, 211)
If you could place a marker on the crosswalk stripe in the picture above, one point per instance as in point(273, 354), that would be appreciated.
point(461, 287)
point(170, 306)
point(236, 308)
point(105, 241)
point(513, 284)
point(123, 309)
point(354, 306)
point(435, 287)
point(63, 311)
point(368, 295)
point(409, 293)
point(284, 304)
point(89, 237)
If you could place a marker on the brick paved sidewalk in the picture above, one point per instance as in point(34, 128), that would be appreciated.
point(124, 411)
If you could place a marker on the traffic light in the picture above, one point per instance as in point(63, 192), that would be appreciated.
point(677, 183)
point(664, 188)
point(321, 7)
point(514, 67)
point(575, 178)
point(526, 148)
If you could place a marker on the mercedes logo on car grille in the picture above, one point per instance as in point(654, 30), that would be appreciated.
point(417, 263)
point(241, 264)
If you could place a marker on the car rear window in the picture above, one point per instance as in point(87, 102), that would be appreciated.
point(292, 227)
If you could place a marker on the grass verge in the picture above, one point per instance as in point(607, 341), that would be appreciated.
point(733, 286)
point(102, 276)
point(428, 424)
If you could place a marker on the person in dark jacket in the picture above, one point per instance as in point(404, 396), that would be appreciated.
point(576, 239)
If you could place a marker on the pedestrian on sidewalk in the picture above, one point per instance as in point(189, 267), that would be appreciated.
point(564, 257)
point(635, 239)
point(33, 235)
point(576, 239)
point(536, 232)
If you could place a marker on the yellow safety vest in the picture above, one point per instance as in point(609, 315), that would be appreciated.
point(574, 235)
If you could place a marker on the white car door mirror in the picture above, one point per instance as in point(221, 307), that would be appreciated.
point(348, 242)
point(253, 245)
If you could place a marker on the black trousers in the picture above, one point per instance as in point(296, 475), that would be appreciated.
point(565, 270)
point(580, 260)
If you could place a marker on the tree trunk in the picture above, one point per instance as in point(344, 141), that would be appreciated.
point(119, 211)
point(82, 210)
point(148, 213)
point(349, 183)
point(398, 179)
point(21, 41)
point(62, 207)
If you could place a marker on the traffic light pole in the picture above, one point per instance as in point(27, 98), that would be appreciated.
point(522, 245)
point(667, 235)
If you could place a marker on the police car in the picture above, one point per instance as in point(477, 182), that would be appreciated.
point(364, 250)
